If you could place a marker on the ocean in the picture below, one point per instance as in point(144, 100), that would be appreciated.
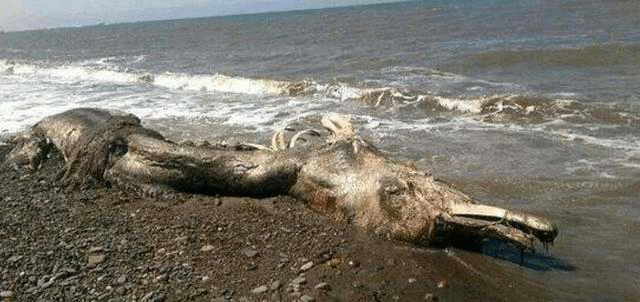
point(529, 105)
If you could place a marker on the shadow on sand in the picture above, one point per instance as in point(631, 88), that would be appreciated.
point(539, 261)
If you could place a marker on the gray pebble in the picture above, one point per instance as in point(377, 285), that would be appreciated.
point(323, 286)
point(250, 253)
point(6, 294)
point(94, 260)
point(276, 285)
point(207, 248)
point(121, 280)
point(32, 289)
point(307, 266)
point(95, 249)
point(47, 284)
point(147, 297)
point(299, 281)
point(275, 296)
point(295, 295)
point(260, 290)
point(104, 296)
point(13, 259)
point(307, 298)
point(159, 298)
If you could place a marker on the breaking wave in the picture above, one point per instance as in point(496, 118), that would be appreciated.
point(498, 108)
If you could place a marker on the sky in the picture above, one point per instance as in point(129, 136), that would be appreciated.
point(16, 15)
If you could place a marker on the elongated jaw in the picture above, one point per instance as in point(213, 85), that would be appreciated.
point(517, 229)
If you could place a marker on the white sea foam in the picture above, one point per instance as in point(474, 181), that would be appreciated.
point(462, 105)
point(220, 83)
point(100, 72)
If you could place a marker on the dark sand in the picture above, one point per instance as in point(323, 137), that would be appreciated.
point(101, 244)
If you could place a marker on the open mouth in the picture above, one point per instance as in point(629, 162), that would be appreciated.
point(514, 228)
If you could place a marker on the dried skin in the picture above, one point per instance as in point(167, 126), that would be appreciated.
point(329, 167)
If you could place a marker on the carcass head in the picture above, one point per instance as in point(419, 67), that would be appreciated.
point(348, 179)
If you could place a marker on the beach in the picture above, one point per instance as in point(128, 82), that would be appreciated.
point(532, 106)
point(102, 244)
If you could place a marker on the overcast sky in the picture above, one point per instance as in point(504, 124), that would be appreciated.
point(36, 14)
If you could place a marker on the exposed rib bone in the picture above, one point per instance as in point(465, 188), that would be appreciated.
point(277, 141)
point(295, 138)
point(256, 146)
point(338, 125)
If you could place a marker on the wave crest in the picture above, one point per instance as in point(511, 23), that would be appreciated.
point(500, 108)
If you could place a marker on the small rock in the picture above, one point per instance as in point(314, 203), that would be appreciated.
point(442, 284)
point(95, 249)
point(121, 290)
point(333, 262)
point(217, 202)
point(147, 297)
point(205, 278)
point(103, 297)
point(323, 286)
point(121, 280)
point(354, 263)
point(299, 281)
point(307, 298)
point(250, 253)
point(6, 294)
point(13, 259)
point(159, 298)
point(260, 290)
point(32, 289)
point(412, 280)
point(161, 278)
point(429, 297)
point(161, 251)
point(276, 285)
point(94, 260)
point(275, 296)
point(207, 248)
point(295, 295)
point(307, 266)
point(47, 284)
